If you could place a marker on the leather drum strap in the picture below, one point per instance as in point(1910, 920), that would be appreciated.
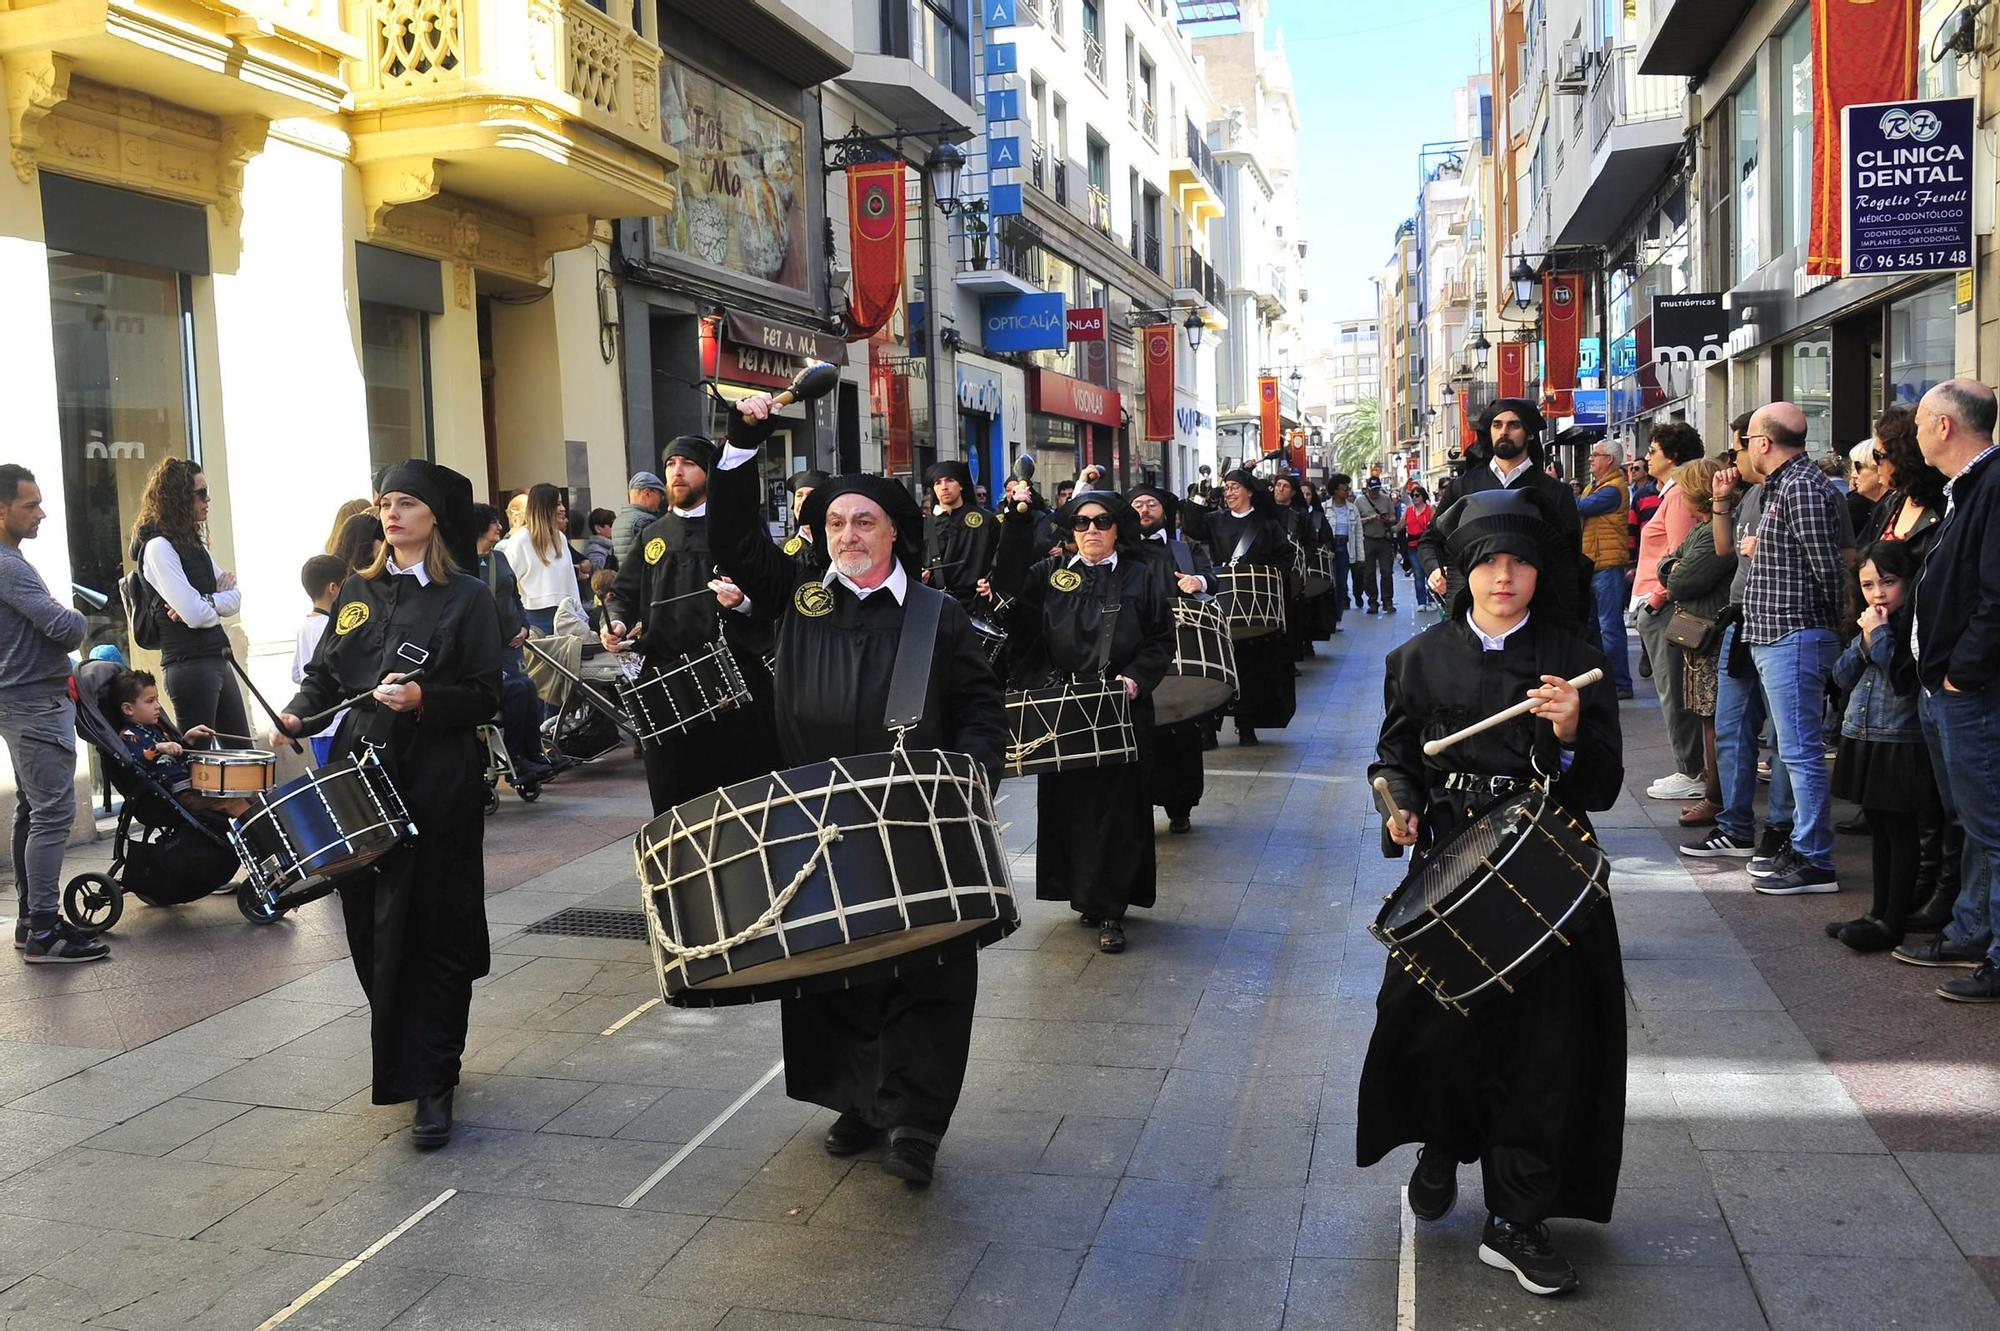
point(909, 680)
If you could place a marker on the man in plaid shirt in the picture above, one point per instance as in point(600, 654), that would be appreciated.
point(1790, 609)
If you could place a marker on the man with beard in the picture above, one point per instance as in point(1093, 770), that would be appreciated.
point(958, 537)
point(662, 604)
point(1174, 776)
point(1247, 531)
point(890, 1055)
point(1514, 428)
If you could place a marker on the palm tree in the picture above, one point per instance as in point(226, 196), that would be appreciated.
point(1357, 439)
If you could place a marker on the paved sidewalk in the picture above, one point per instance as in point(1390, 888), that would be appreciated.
point(1159, 1139)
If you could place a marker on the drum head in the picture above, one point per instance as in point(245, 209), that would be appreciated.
point(1180, 698)
point(1484, 840)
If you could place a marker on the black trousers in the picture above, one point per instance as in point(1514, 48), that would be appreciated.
point(892, 1053)
point(203, 692)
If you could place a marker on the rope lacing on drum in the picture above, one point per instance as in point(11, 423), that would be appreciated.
point(825, 837)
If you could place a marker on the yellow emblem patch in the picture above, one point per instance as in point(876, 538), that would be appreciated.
point(1065, 580)
point(812, 600)
point(352, 616)
point(655, 548)
point(796, 544)
point(975, 518)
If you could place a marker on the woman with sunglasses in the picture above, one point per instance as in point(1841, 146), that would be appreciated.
point(1102, 613)
point(196, 593)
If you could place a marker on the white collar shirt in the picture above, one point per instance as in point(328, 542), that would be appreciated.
point(897, 584)
point(1492, 644)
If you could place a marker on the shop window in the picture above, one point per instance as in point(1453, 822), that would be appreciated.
point(1747, 210)
point(124, 365)
point(1795, 122)
point(1807, 364)
point(396, 372)
point(1921, 337)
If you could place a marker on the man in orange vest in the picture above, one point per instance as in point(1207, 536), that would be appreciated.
point(1602, 506)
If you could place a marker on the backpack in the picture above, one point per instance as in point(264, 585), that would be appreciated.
point(145, 613)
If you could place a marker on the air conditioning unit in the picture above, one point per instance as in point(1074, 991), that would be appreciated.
point(1572, 76)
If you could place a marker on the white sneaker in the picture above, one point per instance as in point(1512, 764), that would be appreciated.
point(1677, 786)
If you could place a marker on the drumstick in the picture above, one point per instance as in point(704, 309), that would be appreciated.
point(1388, 801)
point(1432, 748)
point(312, 724)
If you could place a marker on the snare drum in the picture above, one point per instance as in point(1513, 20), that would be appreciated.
point(1068, 726)
point(231, 772)
point(1488, 905)
point(1252, 598)
point(677, 698)
point(1203, 677)
point(823, 877)
point(343, 817)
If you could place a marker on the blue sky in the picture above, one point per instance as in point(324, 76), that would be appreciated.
point(1373, 82)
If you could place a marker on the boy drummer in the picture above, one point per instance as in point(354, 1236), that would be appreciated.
point(1532, 1083)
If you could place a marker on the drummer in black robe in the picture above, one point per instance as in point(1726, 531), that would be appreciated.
point(958, 535)
point(1322, 611)
point(888, 1056)
point(416, 918)
point(1094, 826)
point(1247, 530)
point(800, 546)
point(1174, 776)
point(1291, 506)
point(1532, 1083)
point(662, 604)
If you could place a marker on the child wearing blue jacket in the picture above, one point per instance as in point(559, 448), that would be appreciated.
point(1882, 765)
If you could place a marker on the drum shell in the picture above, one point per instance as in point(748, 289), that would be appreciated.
point(1529, 893)
point(1252, 598)
point(1203, 676)
point(1090, 721)
point(335, 820)
point(919, 870)
point(231, 771)
point(683, 696)
point(1318, 572)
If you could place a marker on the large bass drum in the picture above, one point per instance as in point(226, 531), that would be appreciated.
point(1069, 725)
point(329, 822)
point(1252, 598)
point(1203, 676)
point(1486, 907)
point(823, 877)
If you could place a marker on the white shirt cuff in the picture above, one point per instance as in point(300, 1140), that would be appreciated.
point(734, 457)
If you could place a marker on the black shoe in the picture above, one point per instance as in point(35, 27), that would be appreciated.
point(1852, 827)
point(1179, 825)
point(1797, 877)
point(1624, 695)
point(1834, 927)
point(1940, 951)
point(1087, 921)
point(21, 934)
point(912, 1160)
point(1936, 912)
point(1982, 986)
point(1525, 1250)
point(1371, 610)
point(430, 1126)
point(61, 945)
point(1246, 736)
point(1774, 866)
point(1772, 842)
point(1111, 938)
point(1433, 1184)
point(851, 1135)
point(1869, 934)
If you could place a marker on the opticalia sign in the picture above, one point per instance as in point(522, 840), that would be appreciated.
point(1025, 323)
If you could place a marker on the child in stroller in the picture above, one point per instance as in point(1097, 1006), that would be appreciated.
point(152, 741)
point(162, 851)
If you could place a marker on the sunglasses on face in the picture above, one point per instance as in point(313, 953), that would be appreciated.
point(202, 494)
point(1880, 456)
point(1101, 521)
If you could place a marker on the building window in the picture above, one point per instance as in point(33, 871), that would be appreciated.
point(124, 363)
point(396, 372)
point(1747, 206)
point(1098, 167)
point(1795, 119)
point(1806, 363)
point(938, 42)
point(1093, 42)
point(1935, 78)
point(1920, 343)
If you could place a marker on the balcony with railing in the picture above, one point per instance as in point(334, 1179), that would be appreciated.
point(1093, 57)
point(1150, 255)
point(542, 107)
point(1194, 177)
point(1634, 127)
point(1038, 167)
point(1004, 258)
point(1149, 122)
point(1195, 281)
point(1099, 208)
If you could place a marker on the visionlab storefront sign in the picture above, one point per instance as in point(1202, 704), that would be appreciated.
point(1055, 394)
point(1037, 322)
point(1908, 187)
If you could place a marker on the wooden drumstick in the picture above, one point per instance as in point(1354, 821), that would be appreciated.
point(1432, 748)
point(1388, 802)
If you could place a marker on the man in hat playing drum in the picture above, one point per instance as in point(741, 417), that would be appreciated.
point(889, 1056)
point(662, 604)
point(958, 535)
point(1529, 1082)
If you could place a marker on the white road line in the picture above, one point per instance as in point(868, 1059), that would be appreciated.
point(1406, 1267)
point(1276, 776)
point(630, 1017)
point(346, 1269)
point(632, 1198)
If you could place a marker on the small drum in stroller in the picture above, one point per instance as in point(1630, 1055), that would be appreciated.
point(231, 772)
point(341, 818)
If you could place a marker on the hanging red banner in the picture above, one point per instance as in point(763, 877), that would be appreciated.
point(1862, 51)
point(1562, 321)
point(875, 245)
point(1465, 434)
point(1513, 369)
point(1158, 342)
point(1267, 415)
point(1296, 450)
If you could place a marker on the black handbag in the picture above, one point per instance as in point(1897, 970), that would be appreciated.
point(1690, 632)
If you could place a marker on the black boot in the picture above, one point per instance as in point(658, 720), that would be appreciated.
point(850, 1135)
point(911, 1159)
point(430, 1126)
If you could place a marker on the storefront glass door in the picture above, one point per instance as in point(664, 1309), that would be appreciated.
point(1920, 342)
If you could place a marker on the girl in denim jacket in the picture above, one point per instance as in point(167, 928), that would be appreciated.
point(1883, 765)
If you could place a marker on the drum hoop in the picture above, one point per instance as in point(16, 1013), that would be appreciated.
point(1464, 890)
point(229, 757)
point(1588, 897)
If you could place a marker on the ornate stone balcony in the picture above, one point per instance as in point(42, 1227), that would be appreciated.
point(545, 109)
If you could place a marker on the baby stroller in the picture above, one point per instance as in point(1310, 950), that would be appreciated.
point(580, 684)
point(162, 852)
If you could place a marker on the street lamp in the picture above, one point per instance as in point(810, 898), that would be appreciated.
point(1523, 278)
point(1481, 349)
point(944, 166)
point(1449, 396)
point(1194, 326)
point(1298, 377)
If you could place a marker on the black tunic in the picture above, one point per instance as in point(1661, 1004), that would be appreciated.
point(958, 550)
point(1174, 776)
point(1094, 828)
point(893, 1052)
point(1532, 1083)
point(672, 558)
point(416, 921)
point(1266, 683)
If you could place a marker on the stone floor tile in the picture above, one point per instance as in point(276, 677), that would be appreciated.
point(28, 1245)
point(522, 1104)
point(1245, 1155)
point(536, 1242)
point(289, 1082)
point(125, 1086)
point(251, 1028)
point(1961, 1189)
point(460, 1303)
point(1824, 1206)
point(290, 1141)
point(1681, 985)
point(27, 1067)
point(165, 1127)
point(605, 1111)
point(1060, 1211)
point(172, 1198)
point(1351, 1223)
point(1180, 1220)
point(1102, 1092)
point(790, 1187)
point(704, 1182)
point(139, 1282)
point(1720, 1042)
point(1612, 1298)
point(1091, 1146)
point(1834, 1294)
point(1784, 1111)
point(1117, 1291)
point(765, 1124)
point(1336, 1294)
point(368, 1299)
point(1016, 1287)
point(289, 1217)
point(1220, 1099)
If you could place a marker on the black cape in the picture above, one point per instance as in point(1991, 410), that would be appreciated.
point(958, 549)
point(1174, 778)
point(416, 920)
point(1537, 1076)
point(892, 1052)
point(1267, 685)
